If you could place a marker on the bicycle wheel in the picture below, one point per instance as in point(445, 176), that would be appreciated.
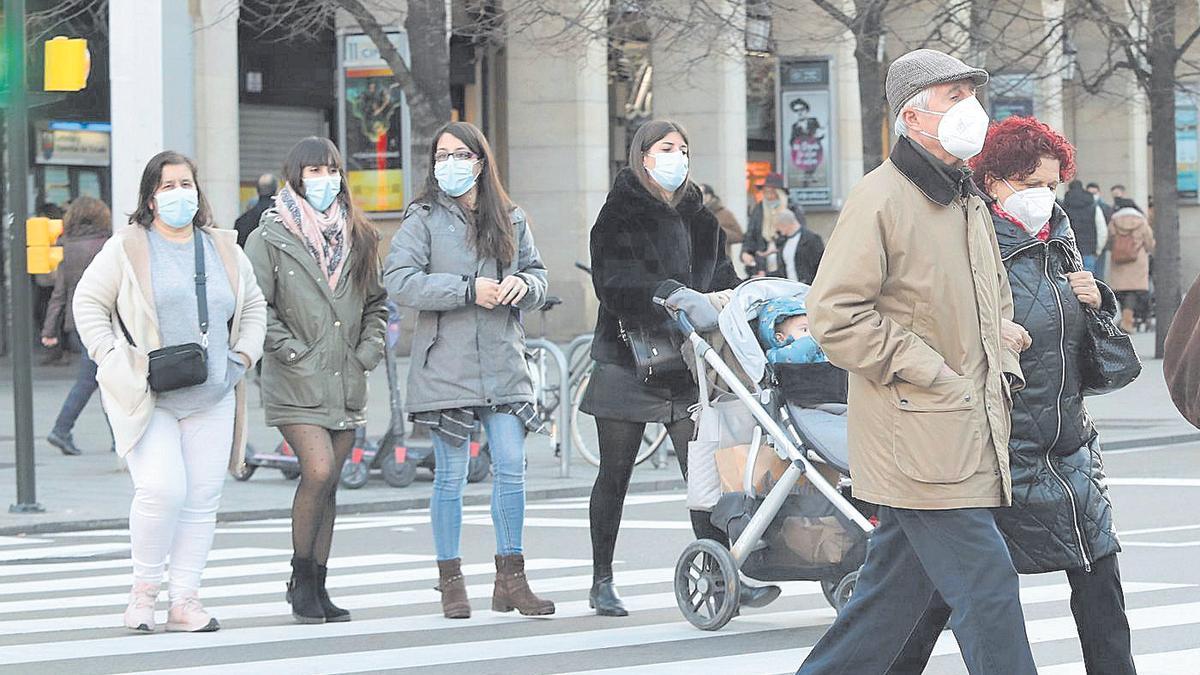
point(583, 428)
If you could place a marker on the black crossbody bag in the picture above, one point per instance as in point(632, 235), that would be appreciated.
point(185, 365)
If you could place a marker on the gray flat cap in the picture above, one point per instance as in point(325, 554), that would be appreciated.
point(922, 68)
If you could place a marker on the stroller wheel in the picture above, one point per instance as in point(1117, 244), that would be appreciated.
point(707, 584)
point(838, 592)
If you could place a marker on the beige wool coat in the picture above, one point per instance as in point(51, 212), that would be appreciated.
point(118, 280)
point(1134, 275)
point(912, 280)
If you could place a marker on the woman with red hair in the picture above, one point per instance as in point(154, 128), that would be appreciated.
point(1061, 514)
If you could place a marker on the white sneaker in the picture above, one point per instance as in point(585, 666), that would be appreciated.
point(187, 615)
point(139, 615)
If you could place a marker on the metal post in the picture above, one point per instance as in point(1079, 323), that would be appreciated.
point(22, 333)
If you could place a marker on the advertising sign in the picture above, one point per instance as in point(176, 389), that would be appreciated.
point(374, 122)
point(805, 138)
point(74, 143)
point(1186, 149)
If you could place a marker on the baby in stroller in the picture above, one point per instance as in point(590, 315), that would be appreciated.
point(789, 518)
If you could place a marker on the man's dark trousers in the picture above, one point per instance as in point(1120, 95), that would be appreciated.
point(914, 560)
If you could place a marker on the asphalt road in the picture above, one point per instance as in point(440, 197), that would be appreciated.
point(61, 597)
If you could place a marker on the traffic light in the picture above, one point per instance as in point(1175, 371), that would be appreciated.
point(41, 236)
point(68, 64)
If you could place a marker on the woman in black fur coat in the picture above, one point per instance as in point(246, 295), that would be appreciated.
point(652, 236)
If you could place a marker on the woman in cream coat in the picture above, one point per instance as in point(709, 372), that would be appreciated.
point(138, 295)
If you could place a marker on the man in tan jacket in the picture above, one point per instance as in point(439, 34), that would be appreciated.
point(913, 300)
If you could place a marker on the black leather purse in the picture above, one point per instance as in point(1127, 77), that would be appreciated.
point(656, 350)
point(1108, 361)
point(186, 365)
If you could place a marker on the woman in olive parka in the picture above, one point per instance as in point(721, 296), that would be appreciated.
point(315, 256)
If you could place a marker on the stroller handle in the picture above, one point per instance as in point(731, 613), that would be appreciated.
point(682, 320)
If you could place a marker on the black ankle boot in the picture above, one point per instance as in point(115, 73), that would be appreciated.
point(604, 598)
point(757, 596)
point(303, 592)
point(333, 613)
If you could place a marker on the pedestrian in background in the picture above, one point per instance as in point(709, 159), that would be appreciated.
point(86, 226)
point(1106, 211)
point(138, 302)
point(725, 218)
point(913, 300)
point(315, 254)
point(465, 258)
point(248, 221)
point(1131, 242)
point(653, 237)
point(1181, 357)
point(759, 229)
point(1120, 201)
point(796, 250)
point(1061, 515)
point(1087, 222)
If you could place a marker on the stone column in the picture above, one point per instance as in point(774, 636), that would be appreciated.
point(699, 81)
point(556, 130)
point(150, 55)
point(1049, 103)
point(216, 105)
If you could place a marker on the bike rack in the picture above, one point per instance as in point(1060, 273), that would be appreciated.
point(564, 404)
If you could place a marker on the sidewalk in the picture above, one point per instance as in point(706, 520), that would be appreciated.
point(91, 491)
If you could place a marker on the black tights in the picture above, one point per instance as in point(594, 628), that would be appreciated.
point(619, 443)
point(321, 453)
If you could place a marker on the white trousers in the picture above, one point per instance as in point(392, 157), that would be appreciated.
point(178, 469)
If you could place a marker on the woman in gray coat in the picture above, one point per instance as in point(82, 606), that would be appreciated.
point(465, 258)
point(315, 256)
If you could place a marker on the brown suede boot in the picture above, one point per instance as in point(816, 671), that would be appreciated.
point(454, 589)
point(512, 589)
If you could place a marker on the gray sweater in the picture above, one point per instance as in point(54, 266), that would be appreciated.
point(172, 273)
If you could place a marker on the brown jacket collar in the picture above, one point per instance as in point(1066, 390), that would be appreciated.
point(935, 179)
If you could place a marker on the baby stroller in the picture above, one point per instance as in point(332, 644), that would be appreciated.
point(771, 463)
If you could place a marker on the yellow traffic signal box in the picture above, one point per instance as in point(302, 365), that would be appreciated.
point(68, 64)
point(44, 253)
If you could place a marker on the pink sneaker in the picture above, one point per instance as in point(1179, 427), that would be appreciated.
point(187, 615)
point(139, 615)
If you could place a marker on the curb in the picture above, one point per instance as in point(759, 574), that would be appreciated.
point(1131, 443)
point(664, 485)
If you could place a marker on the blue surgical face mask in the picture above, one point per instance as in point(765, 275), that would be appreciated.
point(670, 169)
point(455, 176)
point(320, 191)
point(177, 206)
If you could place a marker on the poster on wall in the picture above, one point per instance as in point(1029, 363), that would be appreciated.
point(374, 125)
point(1187, 161)
point(805, 138)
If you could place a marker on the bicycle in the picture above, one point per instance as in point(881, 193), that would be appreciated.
point(583, 425)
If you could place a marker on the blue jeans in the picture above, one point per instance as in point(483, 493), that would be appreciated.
point(914, 560)
point(506, 443)
point(81, 392)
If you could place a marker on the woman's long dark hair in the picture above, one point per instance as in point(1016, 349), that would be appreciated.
point(643, 140)
point(363, 265)
point(492, 234)
point(152, 177)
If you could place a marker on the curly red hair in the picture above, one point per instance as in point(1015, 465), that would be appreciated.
point(1014, 148)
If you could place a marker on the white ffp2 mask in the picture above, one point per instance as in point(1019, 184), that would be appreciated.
point(1031, 206)
point(962, 128)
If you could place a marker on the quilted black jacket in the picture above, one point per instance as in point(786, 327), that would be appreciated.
point(1061, 516)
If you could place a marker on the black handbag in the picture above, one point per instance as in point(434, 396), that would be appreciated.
point(185, 365)
point(1108, 361)
point(656, 350)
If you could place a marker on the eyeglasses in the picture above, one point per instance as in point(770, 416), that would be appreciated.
point(461, 155)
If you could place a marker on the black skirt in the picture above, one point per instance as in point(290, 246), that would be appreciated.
point(615, 392)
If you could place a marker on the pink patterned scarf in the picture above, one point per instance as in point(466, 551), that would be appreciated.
point(323, 234)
